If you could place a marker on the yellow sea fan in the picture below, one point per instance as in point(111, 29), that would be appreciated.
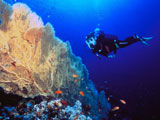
point(34, 60)
point(24, 18)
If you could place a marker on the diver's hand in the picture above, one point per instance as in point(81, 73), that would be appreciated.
point(111, 56)
point(98, 56)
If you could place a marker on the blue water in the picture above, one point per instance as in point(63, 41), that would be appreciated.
point(135, 72)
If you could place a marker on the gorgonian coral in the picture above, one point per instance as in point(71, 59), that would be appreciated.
point(33, 61)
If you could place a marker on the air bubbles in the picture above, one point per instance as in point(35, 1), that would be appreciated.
point(0, 21)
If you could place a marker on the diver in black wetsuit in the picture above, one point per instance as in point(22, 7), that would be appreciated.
point(104, 44)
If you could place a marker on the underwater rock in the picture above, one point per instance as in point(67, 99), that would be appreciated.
point(90, 101)
point(105, 107)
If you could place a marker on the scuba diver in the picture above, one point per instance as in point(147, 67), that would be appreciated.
point(107, 45)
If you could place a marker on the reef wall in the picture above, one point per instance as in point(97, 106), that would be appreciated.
point(33, 61)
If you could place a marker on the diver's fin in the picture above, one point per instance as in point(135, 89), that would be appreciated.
point(145, 43)
point(143, 39)
point(147, 38)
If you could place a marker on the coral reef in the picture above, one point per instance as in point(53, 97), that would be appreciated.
point(53, 110)
point(76, 112)
point(33, 61)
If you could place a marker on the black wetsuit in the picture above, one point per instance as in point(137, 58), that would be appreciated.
point(106, 43)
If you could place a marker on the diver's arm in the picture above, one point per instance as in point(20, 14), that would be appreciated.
point(95, 51)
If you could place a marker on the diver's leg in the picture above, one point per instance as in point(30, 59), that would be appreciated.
point(128, 41)
point(131, 40)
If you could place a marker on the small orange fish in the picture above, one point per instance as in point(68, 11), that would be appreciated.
point(115, 108)
point(122, 101)
point(75, 80)
point(82, 93)
point(75, 76)
point(58, 92)
point(108, 98)
point(76, 118)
